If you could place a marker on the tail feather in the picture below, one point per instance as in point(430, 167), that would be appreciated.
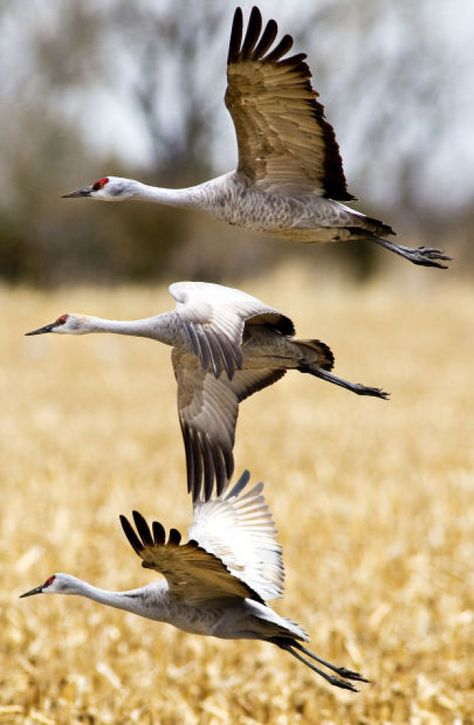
point(324, 357)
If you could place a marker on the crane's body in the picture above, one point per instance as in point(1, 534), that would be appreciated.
point(300, 216)
point(289, 180)
point(227, 345)
point(217, 583)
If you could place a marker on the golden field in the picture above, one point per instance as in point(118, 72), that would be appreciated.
point(374, 502)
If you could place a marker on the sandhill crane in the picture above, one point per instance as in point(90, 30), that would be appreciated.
point(289, 180)
point(217, 583)
point(226, 346)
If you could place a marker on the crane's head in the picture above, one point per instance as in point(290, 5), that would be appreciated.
point(109, 188)
point(68, 324)
point(56, 584)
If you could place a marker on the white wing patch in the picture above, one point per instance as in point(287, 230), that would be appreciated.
point(239, 530)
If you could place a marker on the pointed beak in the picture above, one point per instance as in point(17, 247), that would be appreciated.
point(36, 590)
point(41, 330)
point(80, 192)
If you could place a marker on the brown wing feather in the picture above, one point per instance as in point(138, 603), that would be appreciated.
point(191, 572)
point(208, 410)
point(283, 137)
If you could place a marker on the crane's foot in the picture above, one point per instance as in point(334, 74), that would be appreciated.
point(341, 683)
point(360, 389)
point(350, 674)
point(423, 256)
point(426, 256)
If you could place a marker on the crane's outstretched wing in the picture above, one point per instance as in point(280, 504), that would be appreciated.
point(208, 409)
point(284, 139)
point(239, 530)
point(192, 573)
point(213, 319)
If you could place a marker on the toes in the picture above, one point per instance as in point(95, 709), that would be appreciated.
point(351, 675)
point(432, 253)
point(342, 684)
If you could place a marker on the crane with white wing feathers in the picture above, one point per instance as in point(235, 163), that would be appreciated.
point(227, 345)
point(217, 583)
point(289, 180)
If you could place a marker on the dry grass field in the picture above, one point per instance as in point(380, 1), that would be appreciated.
point(374, 502)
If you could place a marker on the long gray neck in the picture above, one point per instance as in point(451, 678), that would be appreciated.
point(163, 328)
point(187, 197)
point(208, 196)
point(146, 601)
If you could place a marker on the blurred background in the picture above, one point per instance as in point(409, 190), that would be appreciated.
point(136, 89)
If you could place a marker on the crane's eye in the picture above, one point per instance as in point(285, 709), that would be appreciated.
point(100, 183)
point(61, 320)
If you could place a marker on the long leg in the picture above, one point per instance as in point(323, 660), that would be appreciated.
point(341, 671)
point(425, 256)
point(356, 388)
point(335, 681)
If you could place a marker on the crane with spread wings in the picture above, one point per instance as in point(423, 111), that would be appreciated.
point(217, 583)
point(289, 181)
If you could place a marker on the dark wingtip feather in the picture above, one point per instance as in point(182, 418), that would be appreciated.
point(285, 44)
point(240, 485)
point(268, 36)
point(174, 537)
point(219, 469)
point(159, 535)
point(142, 528)
point(188, 450)
point(254, 28)
point(129, 532)
point(235, 36)
point(208, 467)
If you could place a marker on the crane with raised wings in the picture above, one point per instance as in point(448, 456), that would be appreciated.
point(217, 583)
point(289, 181)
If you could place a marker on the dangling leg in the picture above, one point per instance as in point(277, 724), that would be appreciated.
point(291, 645)
point(341, 671)
point(356, 388)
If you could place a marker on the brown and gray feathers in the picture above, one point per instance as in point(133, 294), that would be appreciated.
point(209, 374)
point(285, 142)
point(232, 552)
point(208, 409)
point(192, 573)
